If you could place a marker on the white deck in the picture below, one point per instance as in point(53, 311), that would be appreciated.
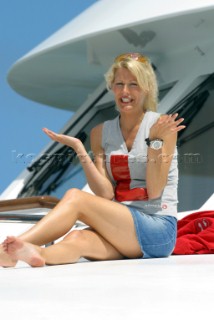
point(179, 287)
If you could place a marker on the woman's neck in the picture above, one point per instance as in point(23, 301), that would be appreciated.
point(129, 121)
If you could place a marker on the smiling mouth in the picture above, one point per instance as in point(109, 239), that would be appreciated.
point(126, 100)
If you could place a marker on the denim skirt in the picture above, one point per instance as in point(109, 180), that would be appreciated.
point(156, 233)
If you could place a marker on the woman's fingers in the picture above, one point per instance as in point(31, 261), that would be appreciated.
point(54, 136)
point(168, 123)
point(63, 139)
point(48, 132)
point(176, 126)
point(171, 119)
point(51, 133)
point(174, 116)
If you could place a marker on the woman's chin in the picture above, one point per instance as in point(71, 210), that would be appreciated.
point(126, 108)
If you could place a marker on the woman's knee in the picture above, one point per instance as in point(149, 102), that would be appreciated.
point(72, 195)
point(75, 236)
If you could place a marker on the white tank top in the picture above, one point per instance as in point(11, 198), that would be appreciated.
point(127, 169)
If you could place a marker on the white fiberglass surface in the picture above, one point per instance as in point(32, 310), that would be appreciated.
point(179, 287)
point(107, 15)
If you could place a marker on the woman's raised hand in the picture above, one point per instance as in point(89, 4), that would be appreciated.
point(166, 125)
point(72, 142)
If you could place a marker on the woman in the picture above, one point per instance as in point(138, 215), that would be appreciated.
point(133, 177)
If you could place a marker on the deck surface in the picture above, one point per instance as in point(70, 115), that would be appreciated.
point(179, 287)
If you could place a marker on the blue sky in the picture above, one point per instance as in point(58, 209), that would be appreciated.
point(24, 24)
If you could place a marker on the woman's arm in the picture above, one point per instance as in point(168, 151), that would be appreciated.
point(95, 172)
point(159, 161)
point(101, 182)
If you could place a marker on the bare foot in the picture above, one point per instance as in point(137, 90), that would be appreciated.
point(5, 259)
point(20, 250)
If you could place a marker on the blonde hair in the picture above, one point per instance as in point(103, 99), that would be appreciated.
point(145, 75)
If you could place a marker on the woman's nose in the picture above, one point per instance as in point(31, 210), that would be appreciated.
point(126, 88)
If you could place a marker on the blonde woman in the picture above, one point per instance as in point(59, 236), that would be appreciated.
point(132, 213)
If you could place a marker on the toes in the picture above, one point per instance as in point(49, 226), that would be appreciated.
point(9, 239)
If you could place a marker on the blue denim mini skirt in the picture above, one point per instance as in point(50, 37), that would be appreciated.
point(156, 233)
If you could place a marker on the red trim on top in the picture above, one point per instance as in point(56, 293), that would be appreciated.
point(120, 167)
point(121, 174)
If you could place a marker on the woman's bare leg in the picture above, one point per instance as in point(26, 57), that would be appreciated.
point(82, 243)
point(53, 226)
point(111, 220)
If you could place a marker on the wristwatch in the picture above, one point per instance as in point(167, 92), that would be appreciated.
point(155, 144)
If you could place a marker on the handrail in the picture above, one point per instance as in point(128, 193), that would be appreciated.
point(10, 209)
point(20, 217)
point(28, 203)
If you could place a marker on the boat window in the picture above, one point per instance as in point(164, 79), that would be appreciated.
point(73, 177)
point(195, 149)
point(54, 174)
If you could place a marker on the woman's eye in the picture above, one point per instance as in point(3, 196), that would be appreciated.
point(131, 85)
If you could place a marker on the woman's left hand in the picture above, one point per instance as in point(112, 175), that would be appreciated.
point(72, 142)
point(165, 126)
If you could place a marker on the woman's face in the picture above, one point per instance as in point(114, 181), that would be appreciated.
point(127, 93)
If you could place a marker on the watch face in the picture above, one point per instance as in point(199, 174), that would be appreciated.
point(156, 144)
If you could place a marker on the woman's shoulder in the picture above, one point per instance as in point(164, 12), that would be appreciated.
point(153, 114)
point(108, 125)
point(97, 130)
point(152, 117)
point(96, 137)
point(103, 131)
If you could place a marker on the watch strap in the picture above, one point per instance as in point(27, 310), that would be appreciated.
point(148, 141)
